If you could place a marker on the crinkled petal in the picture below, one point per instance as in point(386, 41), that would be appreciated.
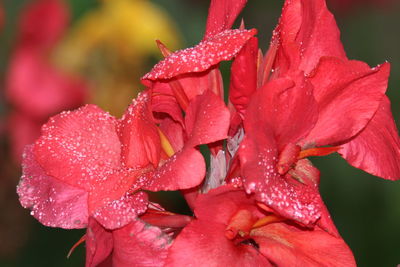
point(286, 107)
point(53, 203)
point(113, 187)
point(258, 158)
point(307, 31)
point(222, 15)
point(207, 120)
point(244, 76)
point(139, 136)
point(139, 244)
point(209, 52)
point(79, 147)
point(184, 170)
point(99, 243)
point(287, 245)
point(120, 212)
point(348, 94)
point(377, 148)
point(163, 101)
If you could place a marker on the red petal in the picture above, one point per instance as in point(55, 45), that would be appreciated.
point(348, 94)
point(120, 212)
point(211, 51)
point(99, 244)
point(39, 89)
point(204, 243)
point(288, 197)
point(307, 31)
point(184, 170)
point(166, 220)
point(174, 133)
point(79, 147)
point(222, 15)
point(244, 76)
point(53, 203)
point(225, 201)
point(288, 109)
point(43, 22)
point(139, 244)
point(287, 245)
point(195, 83)
point(163, 101)
point(377, 148)
point(139, 136)
point(207, 120)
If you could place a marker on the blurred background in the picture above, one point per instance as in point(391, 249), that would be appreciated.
point(57, 55)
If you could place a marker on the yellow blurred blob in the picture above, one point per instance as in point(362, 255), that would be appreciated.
point(113, 45)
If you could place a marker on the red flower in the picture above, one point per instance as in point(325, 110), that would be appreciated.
point(76, 169)
point(314, 97)
point(87, 163)
point(353, 109)
point(231, 230)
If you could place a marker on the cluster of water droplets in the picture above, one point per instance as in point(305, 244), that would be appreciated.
point(79, 147)
point(222, 46)
point(119, 212)
point(287, 197)
point(52, 202)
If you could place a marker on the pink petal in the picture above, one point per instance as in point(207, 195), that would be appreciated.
point(307, 31)
point(174, 133)
point(139, 244)
point(163, 102)
point(207, 120)
point(287, 108)
point(287, 245)
point(113, 187)
point(43, 22)
point(118, 213)
point(38, 89)
point(377, 148)
point(222, 15)
point(53, 203)
point(204, 243)
point(225, 201)
point(99, 243)
point(244, 76)
point(348, 94)
point(209, 52)
point(184, 170)
point(289, 198)
point(79, 147)
point(139, 136)
point(195, 84)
